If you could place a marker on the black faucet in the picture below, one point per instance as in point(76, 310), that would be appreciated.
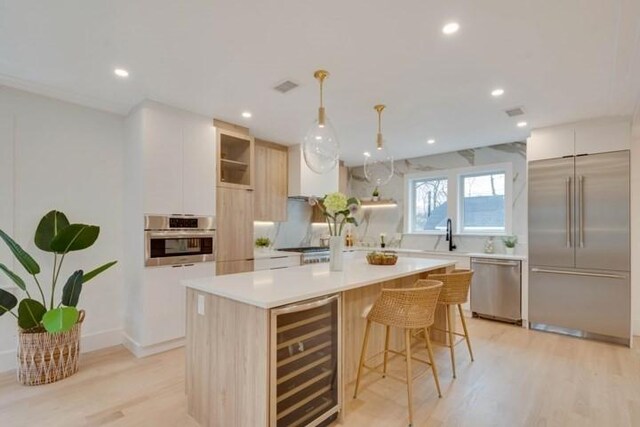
point(450, 235)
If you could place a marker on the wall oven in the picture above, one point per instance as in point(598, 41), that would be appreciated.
point(175, 240)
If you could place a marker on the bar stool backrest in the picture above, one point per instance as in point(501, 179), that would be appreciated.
point(407, 307)
point(455, 286)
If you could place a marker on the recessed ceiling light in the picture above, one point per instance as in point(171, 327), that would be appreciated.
point(367, 154)
point(431, 141)
point(451, 28)
point(121, 72)
point(246, 114)
point(522, 124)
point(497, 92)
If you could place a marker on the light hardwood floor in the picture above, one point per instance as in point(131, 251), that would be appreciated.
point(519, 378)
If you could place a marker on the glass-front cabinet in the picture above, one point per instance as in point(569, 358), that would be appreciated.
point(236, 159)
point(305, 368)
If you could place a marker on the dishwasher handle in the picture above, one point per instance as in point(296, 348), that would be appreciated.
point(496, 262)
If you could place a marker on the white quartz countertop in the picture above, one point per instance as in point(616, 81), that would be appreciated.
point(273, 288)
point(272, 253)
point(442, 253)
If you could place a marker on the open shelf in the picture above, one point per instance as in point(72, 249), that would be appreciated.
point(236, 159)
point(387, 203)
point(233, 164)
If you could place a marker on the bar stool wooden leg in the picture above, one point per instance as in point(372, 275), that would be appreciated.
point(466, 333)
point(386, 351)
point(365, 341)
point(451, 341)
point(434, 370)
point(407, 340)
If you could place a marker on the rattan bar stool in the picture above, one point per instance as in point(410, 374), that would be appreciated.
point(455, 291)
point(407, 309)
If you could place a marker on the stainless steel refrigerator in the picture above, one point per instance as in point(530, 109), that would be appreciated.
point(579, 246)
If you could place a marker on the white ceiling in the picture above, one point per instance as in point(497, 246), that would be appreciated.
point(560, 60)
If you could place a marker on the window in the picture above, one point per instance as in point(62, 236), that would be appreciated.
point(482, 204)
point(429, 201)
point(477, 199)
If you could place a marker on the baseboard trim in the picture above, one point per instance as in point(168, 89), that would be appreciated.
point(90, 342)
point(143, 351)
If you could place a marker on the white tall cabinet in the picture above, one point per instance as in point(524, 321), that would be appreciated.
point(170, 168)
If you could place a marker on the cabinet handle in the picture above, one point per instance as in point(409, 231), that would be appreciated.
point(307, 306)
point(188, 265)
point(579, 273)
point(176, 266)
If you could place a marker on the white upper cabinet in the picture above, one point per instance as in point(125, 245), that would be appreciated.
point(162, 161)
point(551, 143)
point(303, 182)
point(199, 173)
point(178, 161)
point(600, 136)
point(587, 137)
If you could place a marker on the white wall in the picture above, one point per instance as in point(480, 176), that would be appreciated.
point(635, 224)
point(69, 158)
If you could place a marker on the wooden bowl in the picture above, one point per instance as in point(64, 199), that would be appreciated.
point(382, 258)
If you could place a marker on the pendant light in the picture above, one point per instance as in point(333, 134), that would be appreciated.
point(320, 148)
point(378, 164)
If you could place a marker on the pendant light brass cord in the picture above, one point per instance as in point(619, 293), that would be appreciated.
point(320, 75)
point(379, 109)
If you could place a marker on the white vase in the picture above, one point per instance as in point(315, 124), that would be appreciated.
point(336, 253)
point(509, 251)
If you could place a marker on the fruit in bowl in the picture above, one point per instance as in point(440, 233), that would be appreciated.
point(382, 258)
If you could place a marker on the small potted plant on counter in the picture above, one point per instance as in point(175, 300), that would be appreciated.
point(510, 244)
point(263, 243)
point(49, 333)
point(375, 196)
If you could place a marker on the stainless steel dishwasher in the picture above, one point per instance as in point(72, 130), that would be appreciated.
point(496, 289)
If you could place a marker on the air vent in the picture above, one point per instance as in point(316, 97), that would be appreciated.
point(286, 86)
point(514, 112)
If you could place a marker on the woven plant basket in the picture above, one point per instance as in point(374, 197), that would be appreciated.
point(45, 358)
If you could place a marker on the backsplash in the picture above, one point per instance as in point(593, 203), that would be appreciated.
point(390, 220)
point(296, 231)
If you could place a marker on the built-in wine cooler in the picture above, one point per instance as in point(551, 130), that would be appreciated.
point(305, 366)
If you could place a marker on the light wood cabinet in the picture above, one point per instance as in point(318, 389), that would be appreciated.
point(234, 231)
point(233, 267)
point(343, 180)
point(270, 182)
point(235, 159)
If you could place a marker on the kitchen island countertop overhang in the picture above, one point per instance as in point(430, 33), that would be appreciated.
point(273, 288)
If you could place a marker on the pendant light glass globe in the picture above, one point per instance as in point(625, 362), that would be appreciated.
point(320, 147)
point(378, 165)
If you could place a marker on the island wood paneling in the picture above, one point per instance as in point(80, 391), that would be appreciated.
point(227, 362)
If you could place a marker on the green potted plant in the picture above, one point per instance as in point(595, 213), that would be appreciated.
point(263, 243)
point(375, 196)
point(510, 244)
point(49, 331)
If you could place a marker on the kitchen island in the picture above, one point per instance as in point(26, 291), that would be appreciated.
point(280, 347)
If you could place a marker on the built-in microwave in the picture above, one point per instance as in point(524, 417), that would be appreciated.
point(178, 239)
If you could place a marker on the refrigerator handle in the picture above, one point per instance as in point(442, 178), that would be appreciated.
point(581, 210)
point(568, 209)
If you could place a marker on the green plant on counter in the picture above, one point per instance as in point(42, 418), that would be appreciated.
point(57, 236)
point(375, 192)
point(510, 241)
point(263, 242)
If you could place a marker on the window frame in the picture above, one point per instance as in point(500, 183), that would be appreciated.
point(454, 177)
point(409, 197)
